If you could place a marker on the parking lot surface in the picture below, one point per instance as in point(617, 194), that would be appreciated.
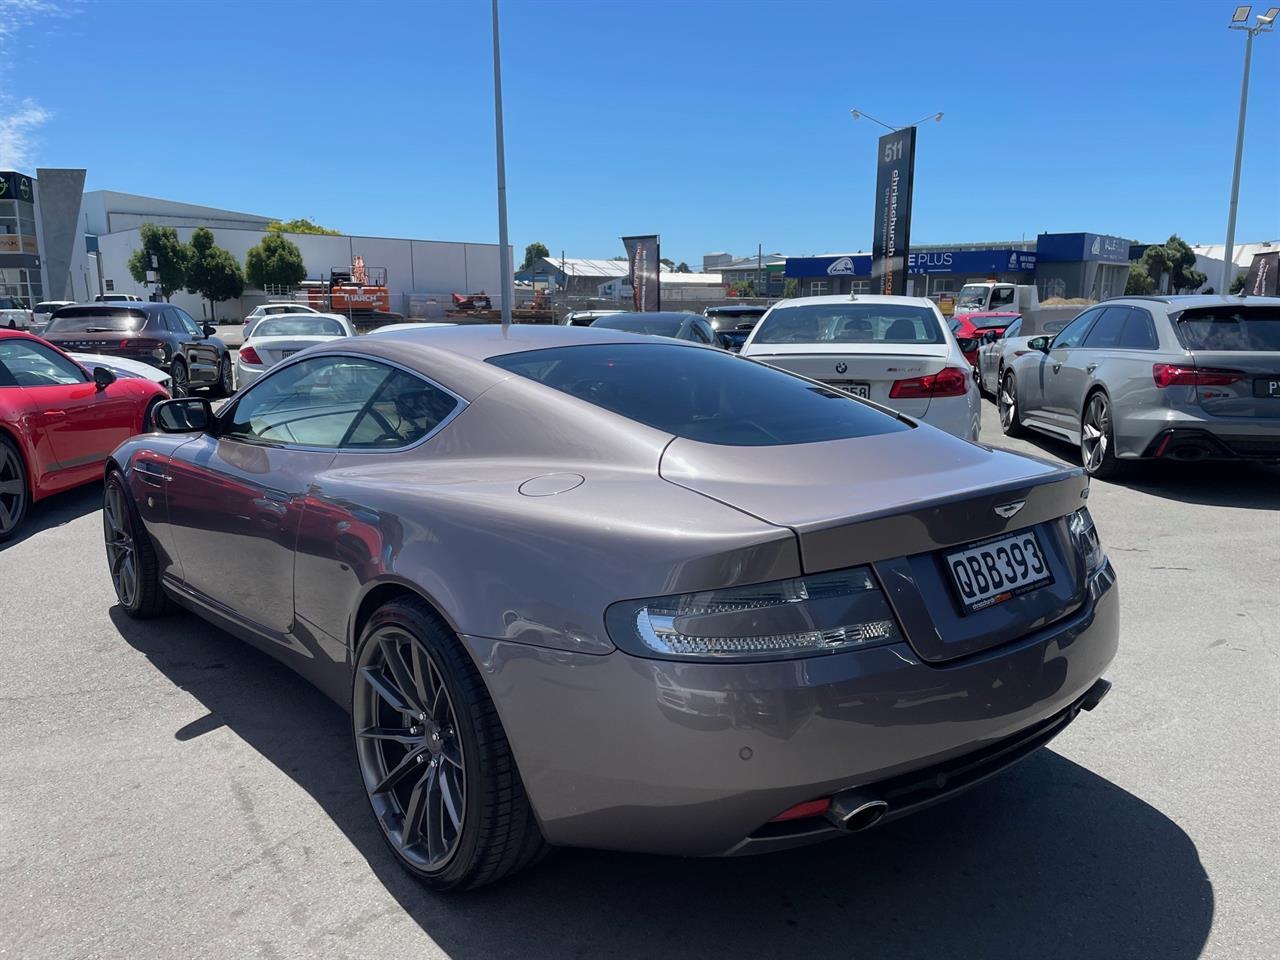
point(167, 791)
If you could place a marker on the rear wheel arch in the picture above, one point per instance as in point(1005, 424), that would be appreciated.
point(382, 593)
point(9, 434)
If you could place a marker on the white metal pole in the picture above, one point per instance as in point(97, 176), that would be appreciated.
point(504, 251)
point(1228, 267)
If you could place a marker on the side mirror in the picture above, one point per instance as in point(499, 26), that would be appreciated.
point(103, 378)
point(209, 330)
point(1039, 343)
point(991, 336)
point(183, 415)
point(725, 340)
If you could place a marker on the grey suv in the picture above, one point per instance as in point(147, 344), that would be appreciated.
point(1185, 378)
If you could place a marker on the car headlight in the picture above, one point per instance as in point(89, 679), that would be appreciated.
point(1085, 537)
point(805, 616)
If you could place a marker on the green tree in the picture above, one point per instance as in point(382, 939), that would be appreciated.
point(301, 225)
point(1139, 283)
point(1237, 285)
point(667, 262)
point(791, 287)
point(276, 261)
point(1172, 265)
point(211, 271)
point(171, 256)
point(533, 253)
point(683, 267)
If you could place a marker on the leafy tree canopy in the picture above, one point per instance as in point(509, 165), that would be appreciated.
point(1139, 283)
point(301, 225)
point(212, 271)
point(1172, 266)
point(171, 256)
point(533, 253)
point(276, 261)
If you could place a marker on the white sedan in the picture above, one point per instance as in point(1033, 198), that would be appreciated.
point(895, 351)
point(274, 338)
point(123, 367)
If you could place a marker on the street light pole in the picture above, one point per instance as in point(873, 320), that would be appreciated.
point(504, 251)
point(1240, 22)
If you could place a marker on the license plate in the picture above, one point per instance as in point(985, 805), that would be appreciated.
point(285, 354)
point(862, 390)
point(999, 569)
point(1267, 387)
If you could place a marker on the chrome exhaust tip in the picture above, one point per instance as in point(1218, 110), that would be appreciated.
point(854, 811)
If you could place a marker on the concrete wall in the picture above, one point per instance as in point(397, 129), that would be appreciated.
point(62, 250)
point(413, 266)
point(106, 211)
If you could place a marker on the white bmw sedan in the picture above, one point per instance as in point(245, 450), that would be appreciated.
point(274, 338)
point(895, 351)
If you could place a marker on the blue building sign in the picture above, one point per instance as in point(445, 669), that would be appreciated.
point(977, 262)
point(1079, 247)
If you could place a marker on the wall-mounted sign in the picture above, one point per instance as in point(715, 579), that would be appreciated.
point(16, 186)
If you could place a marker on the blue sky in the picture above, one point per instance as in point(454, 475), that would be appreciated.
point(719, 125)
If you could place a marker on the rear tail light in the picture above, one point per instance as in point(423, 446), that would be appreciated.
point(806, 616)
point(947, 382)
point(1176, 375)
point(249, 355)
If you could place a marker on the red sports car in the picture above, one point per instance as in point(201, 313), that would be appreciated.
point(970, 328)
point(59, 421)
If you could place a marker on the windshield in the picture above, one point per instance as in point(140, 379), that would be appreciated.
point(1230, 328)
point(734, 319)
point(972, 296)
point(706, 395)
point(658, 326)
point(850, 323)
point(96, 320)
point(298, 327)
point(47, 307)
point(8, 303)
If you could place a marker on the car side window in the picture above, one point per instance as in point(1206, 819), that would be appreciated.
point(1139, 331)
point(30, 364)
point(1001, 297)
point(404, 409)
point(314, 403)
point(169, 321)
point(698, 333)
point(189, 325)
point(1012, 330)
point(1106, 332)
point(1074, 332)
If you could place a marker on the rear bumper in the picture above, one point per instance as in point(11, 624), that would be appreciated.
point(1180, 433)
point(1197, 443)
point(626, 753)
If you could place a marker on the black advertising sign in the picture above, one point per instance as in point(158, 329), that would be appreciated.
point(642, 259)
point(895, 174)
point(16, 186)
point(1263, 278)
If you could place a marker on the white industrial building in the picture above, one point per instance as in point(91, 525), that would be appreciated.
point(100, 230)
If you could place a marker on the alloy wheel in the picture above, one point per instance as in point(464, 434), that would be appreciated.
point(13, 489)
point(122, 555)
point(181, 381)
point(409, 748)
point(1007, 402)
point(1095, 433)
point(226, 376)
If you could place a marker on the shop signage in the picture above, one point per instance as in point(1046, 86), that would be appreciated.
point(895, 175)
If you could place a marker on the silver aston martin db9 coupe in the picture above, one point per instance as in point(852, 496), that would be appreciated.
point(583, 587)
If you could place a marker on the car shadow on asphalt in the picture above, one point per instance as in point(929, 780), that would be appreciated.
point(1212, 483)
point(1048, 860)
point(55, 511)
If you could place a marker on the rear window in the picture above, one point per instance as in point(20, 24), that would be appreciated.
point(96, 320)
point(850, 323)
point(706, 395)
point(299, 327)
point(46, 307)
point(1230, 328)
point(653, 326)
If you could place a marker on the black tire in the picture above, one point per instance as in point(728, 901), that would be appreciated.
point(15, 491)
point(460, 747)
point(180, 378)
point(1098, 438)
point(1007, 403)
point(226, 384)
point(131, 557)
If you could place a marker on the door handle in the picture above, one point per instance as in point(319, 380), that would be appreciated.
point(1057, 367)
point(54, 414)
point(279, 496)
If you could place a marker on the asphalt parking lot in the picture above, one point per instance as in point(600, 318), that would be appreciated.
point(169, 792)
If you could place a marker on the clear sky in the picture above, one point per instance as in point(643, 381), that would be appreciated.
point(719, 125)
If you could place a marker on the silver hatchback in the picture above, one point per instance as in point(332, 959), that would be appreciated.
point(1184, 378)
